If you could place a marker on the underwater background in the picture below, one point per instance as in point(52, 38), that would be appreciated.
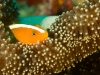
point(48, 13)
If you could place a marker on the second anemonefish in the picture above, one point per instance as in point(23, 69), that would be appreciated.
point(28, 34)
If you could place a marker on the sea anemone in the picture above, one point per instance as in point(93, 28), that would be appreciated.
point(4, 40)
point(72, 37)
point(78, 29)
point(40, 58)
point(88, 66)
point(9, 11)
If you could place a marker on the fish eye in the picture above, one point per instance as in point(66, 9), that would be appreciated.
point(33, 34)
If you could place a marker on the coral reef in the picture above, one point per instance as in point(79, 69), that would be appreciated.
point(8, 11)
point(72, 37)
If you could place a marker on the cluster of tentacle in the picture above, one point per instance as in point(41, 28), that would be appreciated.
point(4, 40)
point(78, 30)
point(73, 36)
point(8, 11)
point(88, 66)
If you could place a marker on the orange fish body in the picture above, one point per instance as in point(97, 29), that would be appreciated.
point(28, 34)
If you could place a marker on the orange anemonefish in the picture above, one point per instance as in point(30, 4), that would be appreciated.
point(28, 34)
